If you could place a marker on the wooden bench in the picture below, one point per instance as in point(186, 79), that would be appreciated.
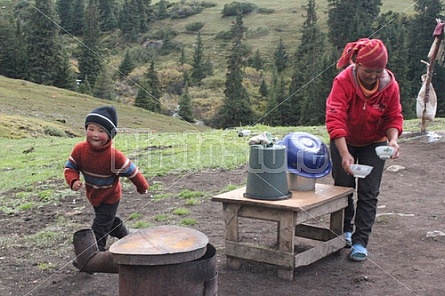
point(291, 215)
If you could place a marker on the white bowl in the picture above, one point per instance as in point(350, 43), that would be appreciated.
point(384, 152)
point(360, 170)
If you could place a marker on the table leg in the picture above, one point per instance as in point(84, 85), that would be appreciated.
point(231, 231)
point(286, 241)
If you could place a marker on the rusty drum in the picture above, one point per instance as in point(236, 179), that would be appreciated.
point(166, 260)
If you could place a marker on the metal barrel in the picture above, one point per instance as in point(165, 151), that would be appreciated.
point(88, 257)
point(194, 278)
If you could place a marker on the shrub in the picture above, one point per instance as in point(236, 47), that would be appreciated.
point(234, 8)
point(53, 131)
point(257, 33)
point(266, 10)
point(208, 4)
point(193, 27)
point(183, 11)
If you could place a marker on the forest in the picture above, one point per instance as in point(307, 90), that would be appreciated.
point(117, 51)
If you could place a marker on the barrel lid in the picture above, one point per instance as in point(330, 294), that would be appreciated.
point(160, 245)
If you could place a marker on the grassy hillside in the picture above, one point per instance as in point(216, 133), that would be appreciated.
point(264, 32)
point(28, 109)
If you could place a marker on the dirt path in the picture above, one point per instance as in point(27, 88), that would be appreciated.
point(403, 258)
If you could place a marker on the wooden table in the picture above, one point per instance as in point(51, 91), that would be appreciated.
point(291, 215)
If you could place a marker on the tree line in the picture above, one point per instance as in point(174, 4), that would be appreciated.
point(297, 83)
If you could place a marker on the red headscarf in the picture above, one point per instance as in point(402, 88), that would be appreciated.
point(371, 53)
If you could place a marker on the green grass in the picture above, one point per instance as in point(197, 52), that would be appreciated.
point(188, 222)
point(141, 225)
point(155, 154)
point(162, 218)
point(189, 194)
point(135, 216)
point(181, 211)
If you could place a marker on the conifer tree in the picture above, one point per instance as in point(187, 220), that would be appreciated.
point(149, 95)
point(64, 12)
point(162, 12)
point(271, 113)
point(12, 53)
point(350, 20)
point(393, 30)
point(263, 88)
point(420, 40)
point(107, 15)
point(77, 18)
point(198, 71)
point(280, 57)
point(127, 65)
point(256, 61)
point(307, 92)
point(127, 22)
point(90, 63)
point(185, 104)
point(85, 87)
point(182, 58)
point(104, 87)
point(43, 45)
point(236, 108)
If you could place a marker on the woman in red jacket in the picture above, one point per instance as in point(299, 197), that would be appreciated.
point(363, 111)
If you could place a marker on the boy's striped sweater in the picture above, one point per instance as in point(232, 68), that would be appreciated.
point(101, 168)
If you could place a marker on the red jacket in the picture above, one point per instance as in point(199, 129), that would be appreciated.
point(101, 168)
point(361, 120)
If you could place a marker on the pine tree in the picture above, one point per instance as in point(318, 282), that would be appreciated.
point(126, 66)
point(90, 63)
point(307, 92)
point(185, 105)
point(393, 30)
point(85, 87)
point(263, 88)
point(420, 40)
point(64, 11)
point(107, 15)
point(77, 18)
point(256, 61)
point(44, 46)
point(150, 94)
point(182, 58)
point(12, 53)
point(280, 57)
point(350, 20)
point(236, 109)
point(198, 72)
point(134, 18)
point(272, 115)
point(104, 87)
point(162, 10)
point(127, 22)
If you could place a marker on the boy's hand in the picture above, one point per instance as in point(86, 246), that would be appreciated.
point(77, 185)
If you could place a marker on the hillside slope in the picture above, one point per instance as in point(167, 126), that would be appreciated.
point(28, 109)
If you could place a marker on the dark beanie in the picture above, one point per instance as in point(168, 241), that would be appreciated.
point(106, 117)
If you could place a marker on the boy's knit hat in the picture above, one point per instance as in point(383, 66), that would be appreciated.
point(371, 53)
point(106, 117)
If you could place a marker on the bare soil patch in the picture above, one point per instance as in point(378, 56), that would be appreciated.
point(406, 257)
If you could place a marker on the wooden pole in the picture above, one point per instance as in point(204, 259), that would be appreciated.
point(432, 61)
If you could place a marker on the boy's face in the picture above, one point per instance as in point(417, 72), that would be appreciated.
point(96, 135)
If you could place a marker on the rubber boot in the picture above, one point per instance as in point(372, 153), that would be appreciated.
point(119, 230)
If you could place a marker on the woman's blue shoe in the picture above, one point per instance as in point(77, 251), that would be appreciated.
point(358, 253)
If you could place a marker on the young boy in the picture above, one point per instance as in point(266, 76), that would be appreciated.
point(101, 166)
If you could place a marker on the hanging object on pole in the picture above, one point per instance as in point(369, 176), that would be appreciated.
point(427, 95)
point(431, 106)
